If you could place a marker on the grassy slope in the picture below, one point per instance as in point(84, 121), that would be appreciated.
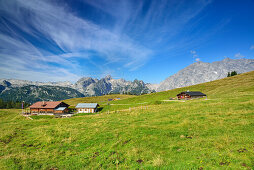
point(227, 88)
point(216, 133)
point(98, 99)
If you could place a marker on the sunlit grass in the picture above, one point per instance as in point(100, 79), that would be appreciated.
point(212, 134)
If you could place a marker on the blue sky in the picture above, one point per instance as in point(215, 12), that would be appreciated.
point(56, 40)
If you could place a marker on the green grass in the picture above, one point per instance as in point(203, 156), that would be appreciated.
point(102, 100)
point(42, 117)
point(213, 134)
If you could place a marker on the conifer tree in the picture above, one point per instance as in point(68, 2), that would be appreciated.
point(233, 73)
point(229, 74)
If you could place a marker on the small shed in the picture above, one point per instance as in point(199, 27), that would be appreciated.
point(190, 95)
point(61, 110)
point(87, 107)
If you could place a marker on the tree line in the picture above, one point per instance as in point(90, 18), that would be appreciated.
point(12, 104)
point(232, 73)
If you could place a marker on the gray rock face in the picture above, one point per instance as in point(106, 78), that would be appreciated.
point(82, 84)
point(95, 87)
point(5, 83)
point(21, 83)
point(201, 72)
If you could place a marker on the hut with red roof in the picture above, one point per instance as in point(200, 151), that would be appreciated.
point(49, 108)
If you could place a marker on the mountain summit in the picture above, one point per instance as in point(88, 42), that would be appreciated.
point(201, 72)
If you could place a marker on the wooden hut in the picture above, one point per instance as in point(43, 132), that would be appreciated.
point(190, 95)
point(87, 107)
point(49, 108)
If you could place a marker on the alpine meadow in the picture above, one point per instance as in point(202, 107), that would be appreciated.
point(142, 132)
point(126, 84)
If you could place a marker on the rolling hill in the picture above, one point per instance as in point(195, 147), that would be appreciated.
point(162, 134)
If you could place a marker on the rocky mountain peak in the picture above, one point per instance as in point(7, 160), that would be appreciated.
point(226, 59)
point(108, 77)
point(201, 72)
point(85, 79)
point(5, 83)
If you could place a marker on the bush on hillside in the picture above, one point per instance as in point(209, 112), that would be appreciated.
point(157, 102)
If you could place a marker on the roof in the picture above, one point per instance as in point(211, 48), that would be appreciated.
point(87, 105)
point(45, 104)
point(60, 108)
point(193, 93)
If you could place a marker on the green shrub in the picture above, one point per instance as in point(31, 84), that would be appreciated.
point(157, 102)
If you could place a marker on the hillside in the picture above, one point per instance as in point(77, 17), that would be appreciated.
point(32, 93)
point(197, 134)
point(97, 99)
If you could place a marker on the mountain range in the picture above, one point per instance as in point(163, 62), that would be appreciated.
point(199, 72)
point(29, 91)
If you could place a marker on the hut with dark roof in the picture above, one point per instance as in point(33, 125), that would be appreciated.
point(49, 108)
point(190, 95)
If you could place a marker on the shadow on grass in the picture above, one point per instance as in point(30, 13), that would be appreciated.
point(42, 117)
point(99, 109)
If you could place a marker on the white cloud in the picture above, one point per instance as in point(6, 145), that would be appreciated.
point(76, 37)
point(239, 56)
point(72, 34)
point(194, 55)
point(193, 52)
point(252, 47)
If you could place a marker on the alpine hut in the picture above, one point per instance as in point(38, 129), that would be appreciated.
point(49, 108)
point(190, 95)
point(87, 107)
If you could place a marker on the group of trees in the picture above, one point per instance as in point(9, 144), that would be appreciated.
point(12, 104)
point(232, 73)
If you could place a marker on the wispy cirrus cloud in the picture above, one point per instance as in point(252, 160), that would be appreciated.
point(239, 56)
point(195, 55)
point(71, 35)
point(49, 39)
point(252, 47)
